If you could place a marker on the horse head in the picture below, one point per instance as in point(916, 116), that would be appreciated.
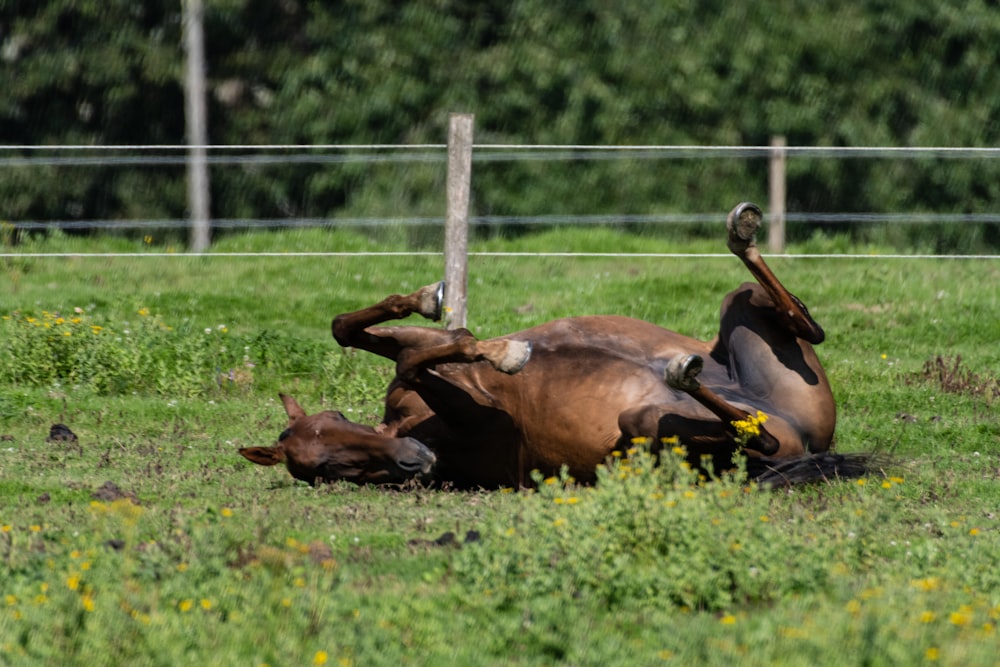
point(327, 447)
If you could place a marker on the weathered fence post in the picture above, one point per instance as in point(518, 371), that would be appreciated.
point(456, 227)
point(197, 133)
point(776, 201)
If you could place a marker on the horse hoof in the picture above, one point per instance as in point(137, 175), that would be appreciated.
point(515, 357)
point(682, 370)
point(431, 301)
point(742, 225)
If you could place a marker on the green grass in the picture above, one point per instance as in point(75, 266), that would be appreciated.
point(227, 563)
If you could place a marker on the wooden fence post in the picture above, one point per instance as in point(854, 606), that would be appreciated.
point(776, 197)
point(197, 124)
point(456, 227)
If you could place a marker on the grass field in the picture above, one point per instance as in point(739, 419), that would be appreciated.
point(151, 542)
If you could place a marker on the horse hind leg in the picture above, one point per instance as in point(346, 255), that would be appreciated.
point(681, 374)
point(742, 225)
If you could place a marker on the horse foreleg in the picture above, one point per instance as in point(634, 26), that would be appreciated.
point(742, 225)
point(681, 374)
point(507, 356)
point(351, 329)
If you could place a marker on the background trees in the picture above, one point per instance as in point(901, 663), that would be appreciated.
point(533, 71)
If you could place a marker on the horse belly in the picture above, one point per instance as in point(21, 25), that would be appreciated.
point(572, 418)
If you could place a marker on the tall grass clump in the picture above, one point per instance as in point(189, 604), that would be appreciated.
point(662, 535)
point(143, 355)
point(645, 533)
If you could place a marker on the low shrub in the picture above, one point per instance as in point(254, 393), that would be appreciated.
point(662, 535)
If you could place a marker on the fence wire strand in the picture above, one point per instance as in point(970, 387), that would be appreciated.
point(16, 156)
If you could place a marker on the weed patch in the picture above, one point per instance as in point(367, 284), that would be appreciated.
point(949, 375)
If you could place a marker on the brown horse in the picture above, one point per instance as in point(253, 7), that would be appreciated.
point(569, 392)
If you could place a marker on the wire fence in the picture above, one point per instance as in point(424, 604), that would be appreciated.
point(14, 157)
point(426, 253)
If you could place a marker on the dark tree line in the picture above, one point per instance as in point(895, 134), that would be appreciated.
point(869, 73)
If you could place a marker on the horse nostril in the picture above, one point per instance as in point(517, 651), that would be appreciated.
point(419, 459)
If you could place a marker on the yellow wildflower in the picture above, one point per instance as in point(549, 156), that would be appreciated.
point(749, 427)
point(960, 617)
point(926, 584)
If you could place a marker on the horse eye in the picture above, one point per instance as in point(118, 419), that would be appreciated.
point(284, 434)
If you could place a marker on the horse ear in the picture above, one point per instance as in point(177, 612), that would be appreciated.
point(292, 408)
point(263, 456)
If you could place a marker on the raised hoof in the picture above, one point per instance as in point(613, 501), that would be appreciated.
point(742, 225)
point(682, 370)
point(431, 301)
point(507, 356)
point(514, 357)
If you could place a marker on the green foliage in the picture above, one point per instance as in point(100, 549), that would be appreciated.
point(143, 355)
point(665, 537)
point(533, 72)
point(220, 561)
point(644, 535)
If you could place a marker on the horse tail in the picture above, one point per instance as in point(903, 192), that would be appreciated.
point(819, 467)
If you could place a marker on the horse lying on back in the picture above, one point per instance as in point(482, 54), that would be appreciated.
point(485, 413)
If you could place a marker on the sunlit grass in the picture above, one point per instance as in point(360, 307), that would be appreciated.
point(205, 558)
